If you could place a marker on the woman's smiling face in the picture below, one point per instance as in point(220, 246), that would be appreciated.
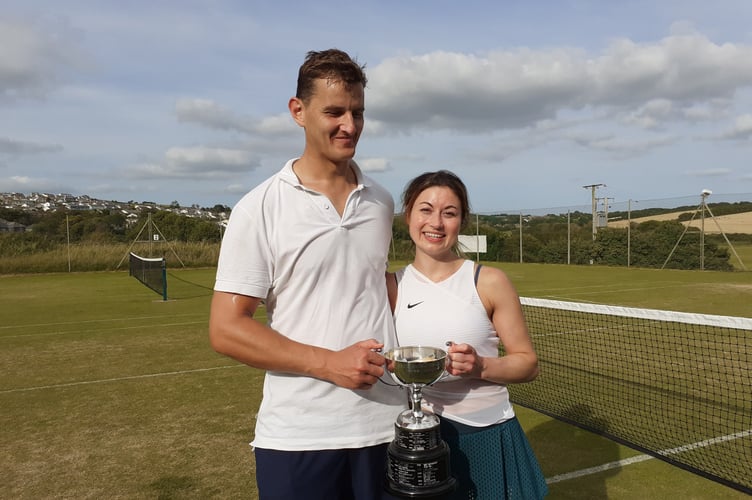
point(435, 220)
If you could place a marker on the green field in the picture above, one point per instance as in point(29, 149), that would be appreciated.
point(744, 253)
point(109, 392)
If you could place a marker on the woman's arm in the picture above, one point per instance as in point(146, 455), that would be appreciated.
point(520, 363)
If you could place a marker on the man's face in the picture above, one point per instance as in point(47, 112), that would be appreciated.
point(333, 119)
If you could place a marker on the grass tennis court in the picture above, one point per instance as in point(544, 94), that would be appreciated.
point(109, 392)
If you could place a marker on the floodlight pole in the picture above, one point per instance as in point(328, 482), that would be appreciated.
point(594, 203)
point(477, 239)
point(569, 237)
point(605, 208)
point(151, 234)
point(629, 231)
point(67, 232)
point(520, 237)
point(703, 205)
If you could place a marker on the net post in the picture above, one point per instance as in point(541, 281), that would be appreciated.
point(152, 272)
point(164, 279)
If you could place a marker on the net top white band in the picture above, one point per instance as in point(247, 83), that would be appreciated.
point(148, 259)
point(735, 322)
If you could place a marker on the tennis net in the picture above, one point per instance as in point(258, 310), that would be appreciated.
point(676, 386)
point(152, 272)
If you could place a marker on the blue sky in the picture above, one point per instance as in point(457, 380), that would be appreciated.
point(527, 101)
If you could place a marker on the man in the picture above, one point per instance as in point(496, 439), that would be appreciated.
point(312, 243)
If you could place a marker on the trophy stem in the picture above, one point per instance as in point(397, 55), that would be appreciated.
point(416, 403)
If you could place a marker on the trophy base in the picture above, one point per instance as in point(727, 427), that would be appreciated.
point(424, 493)
point(419, 474)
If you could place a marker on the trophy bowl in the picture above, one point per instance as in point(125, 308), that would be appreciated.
point(419, 365)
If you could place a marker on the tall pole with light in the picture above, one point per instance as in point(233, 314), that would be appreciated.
point(477, 238)
point(629, 231)
point(703, 204)
point(520, 237)
point(569, 237)
point(594, 203)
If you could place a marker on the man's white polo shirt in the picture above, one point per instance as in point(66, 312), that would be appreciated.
point(322, 278)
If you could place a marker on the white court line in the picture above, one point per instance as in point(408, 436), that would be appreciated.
point(641, 458)
point(120, 328)
point(608, 287)
point(567, 298)
point(581, 330)
point(102, 320)
point(101, 381)
point(597, 469)
point(571, 292)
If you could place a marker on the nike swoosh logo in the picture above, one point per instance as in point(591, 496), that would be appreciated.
point(410, 306)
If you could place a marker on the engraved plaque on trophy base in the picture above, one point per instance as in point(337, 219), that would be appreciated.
point(418, 464)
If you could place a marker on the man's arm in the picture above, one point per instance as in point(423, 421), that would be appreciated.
point(235, 333)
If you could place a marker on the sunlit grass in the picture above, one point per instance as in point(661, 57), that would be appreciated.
point(109, 392)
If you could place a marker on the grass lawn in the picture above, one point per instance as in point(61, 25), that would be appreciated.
point(109, 392)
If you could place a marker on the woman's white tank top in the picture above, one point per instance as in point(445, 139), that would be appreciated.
point(432, 314)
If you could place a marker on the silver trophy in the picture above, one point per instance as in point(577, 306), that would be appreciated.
point(417, 458)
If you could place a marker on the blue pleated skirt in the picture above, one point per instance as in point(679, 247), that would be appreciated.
point(493, 463)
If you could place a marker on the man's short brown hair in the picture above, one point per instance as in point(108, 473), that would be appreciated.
point(333, 65)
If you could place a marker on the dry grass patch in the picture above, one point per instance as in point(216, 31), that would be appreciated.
point(735, 223)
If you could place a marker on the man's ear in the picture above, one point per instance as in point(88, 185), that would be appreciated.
point(297, 110)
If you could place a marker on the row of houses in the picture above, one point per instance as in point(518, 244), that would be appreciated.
point(46, 202)
point(63, 201)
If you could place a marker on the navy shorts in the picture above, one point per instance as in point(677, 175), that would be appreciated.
point(322, 474)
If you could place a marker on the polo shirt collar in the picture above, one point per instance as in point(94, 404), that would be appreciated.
point(288, 175)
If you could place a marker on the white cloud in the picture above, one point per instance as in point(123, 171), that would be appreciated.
point(28, 184)
point(14, 147)
point(202, 157)
point(742, 129)
point(211, 114)
point(374, 164)
point(711, 172)
point(208, 113)
point(711, 110)
point(652, 114)
point(197, 162)
point(237, 189)
point(278, 124)
point(17, 179)
point(517, 88)
point(619, 147)
point(34, 57)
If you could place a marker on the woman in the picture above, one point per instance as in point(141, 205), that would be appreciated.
point(445, 300)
